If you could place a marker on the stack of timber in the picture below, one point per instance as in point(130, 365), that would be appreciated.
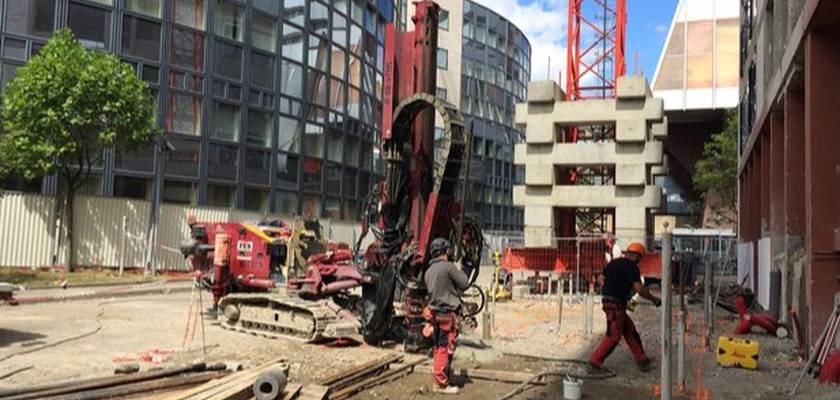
point(119, 386)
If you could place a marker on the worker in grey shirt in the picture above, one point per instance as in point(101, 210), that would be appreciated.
point(444, 281)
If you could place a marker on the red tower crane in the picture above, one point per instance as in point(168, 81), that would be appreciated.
point(595, 60)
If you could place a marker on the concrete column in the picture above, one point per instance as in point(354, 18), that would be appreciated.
point(794, 203)
point(822, 174)
point(765, 181)
point(630, 223)
point(794, 148)
point(777, 175)
point(539, 226)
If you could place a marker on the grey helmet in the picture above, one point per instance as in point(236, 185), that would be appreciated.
point(439, 246)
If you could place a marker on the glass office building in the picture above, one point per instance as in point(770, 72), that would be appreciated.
point(271, 105)
point(495, 71)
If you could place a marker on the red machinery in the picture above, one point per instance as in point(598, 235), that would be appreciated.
point(418, 201)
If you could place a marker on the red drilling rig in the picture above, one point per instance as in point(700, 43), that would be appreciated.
point(420, 199)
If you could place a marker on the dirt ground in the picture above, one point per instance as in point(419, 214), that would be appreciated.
point(151, 330)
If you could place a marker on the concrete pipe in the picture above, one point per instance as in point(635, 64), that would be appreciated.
point(270, 384)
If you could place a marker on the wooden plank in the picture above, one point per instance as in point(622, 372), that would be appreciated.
point(291, 391)
point(313, 392)
point(343, 378)
point(218, 385)
point(388, 375)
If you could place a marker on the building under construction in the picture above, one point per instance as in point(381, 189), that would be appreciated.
point(789, 154)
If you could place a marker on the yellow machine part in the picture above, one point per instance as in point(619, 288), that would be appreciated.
point(734, 352)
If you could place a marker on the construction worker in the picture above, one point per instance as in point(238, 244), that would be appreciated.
point(618, 278)
point(444, 281)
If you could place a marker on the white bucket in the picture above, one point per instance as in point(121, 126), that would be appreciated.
point(572, 388)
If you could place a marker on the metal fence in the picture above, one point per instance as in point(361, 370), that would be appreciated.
point(582, 258)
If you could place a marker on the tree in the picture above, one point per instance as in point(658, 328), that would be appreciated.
point(64, 109)
point(716, 172)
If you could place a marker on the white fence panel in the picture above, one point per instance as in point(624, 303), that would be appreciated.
point(99, 231)
point(26, 230)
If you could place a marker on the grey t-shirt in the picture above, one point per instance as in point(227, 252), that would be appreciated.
point(444, 280)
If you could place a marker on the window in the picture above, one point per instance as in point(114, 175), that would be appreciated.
point(332, 181)
point(178, 192)
point(286, 203)
point(262, 70)
point(292, 43)
point(295, 11)
point(291, 79)
point(220, 196)
point(256, 200)
point(228, 21)
point(264, 33)
point(141, 38)
point(226, 122)
point(290, 130)
point(30, 17)
point(339, 30)
point(443, 20)
point(91, 25)
point(350, 182)
point(337, 64)
point(355, 39)
point(189, 12)
point(311, 206)
point(318, 51)
point(148, 7)
point(441, 93)
point(13, 48)
point(187, 49)
point(183, 160)
point(313, 140)
point(334, 145)
point(270, 6)
point(227, 59)
point(351, 151)
point(332, 208)
point(287, 171)
point(223, 161)
point(132, 188)
point(442, 59)
point(257, 166)
point(312, 174)
point(183, 114)
point(260, 127)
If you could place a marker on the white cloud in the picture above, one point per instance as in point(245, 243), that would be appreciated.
point(661, 28)
point(544, 24)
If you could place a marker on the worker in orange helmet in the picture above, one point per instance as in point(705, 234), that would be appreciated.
point(618, 278)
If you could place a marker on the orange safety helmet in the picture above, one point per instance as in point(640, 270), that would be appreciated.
point(636, 247)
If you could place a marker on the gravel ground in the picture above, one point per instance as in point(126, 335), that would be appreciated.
point(134, 326)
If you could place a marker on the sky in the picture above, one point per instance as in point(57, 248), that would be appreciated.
point(544, 23)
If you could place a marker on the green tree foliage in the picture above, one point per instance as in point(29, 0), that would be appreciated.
point(716, 172)
point(64, 108)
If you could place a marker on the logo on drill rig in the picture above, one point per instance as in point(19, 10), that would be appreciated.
point(243, 250)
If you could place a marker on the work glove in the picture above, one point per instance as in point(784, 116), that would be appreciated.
point(657, 303)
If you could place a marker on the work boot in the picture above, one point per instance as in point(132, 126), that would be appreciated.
point(449, 389)
point(645, 365)
point(592, 369)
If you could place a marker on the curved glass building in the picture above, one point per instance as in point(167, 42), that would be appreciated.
point(484, 64)
point(269, 105)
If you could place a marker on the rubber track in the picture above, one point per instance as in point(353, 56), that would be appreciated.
point(320, 313)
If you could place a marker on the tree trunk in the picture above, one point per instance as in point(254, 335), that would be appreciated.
point(69, 200)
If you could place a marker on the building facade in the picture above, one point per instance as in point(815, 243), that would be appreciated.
point(484, 66)
point(697, 77)
point(267, 105)
point(789, 169)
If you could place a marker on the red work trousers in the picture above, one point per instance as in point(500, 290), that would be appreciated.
point(618, 324)
point(446, 334)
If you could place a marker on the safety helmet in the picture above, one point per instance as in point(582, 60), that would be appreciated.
point(636, 247)
point(439, 246)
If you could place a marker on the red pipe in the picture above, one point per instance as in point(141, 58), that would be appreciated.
point(830, 370)
point(339, 286)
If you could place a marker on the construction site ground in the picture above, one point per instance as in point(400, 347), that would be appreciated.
point(152, 330)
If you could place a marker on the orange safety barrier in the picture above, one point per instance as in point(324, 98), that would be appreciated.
point(565, 259)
